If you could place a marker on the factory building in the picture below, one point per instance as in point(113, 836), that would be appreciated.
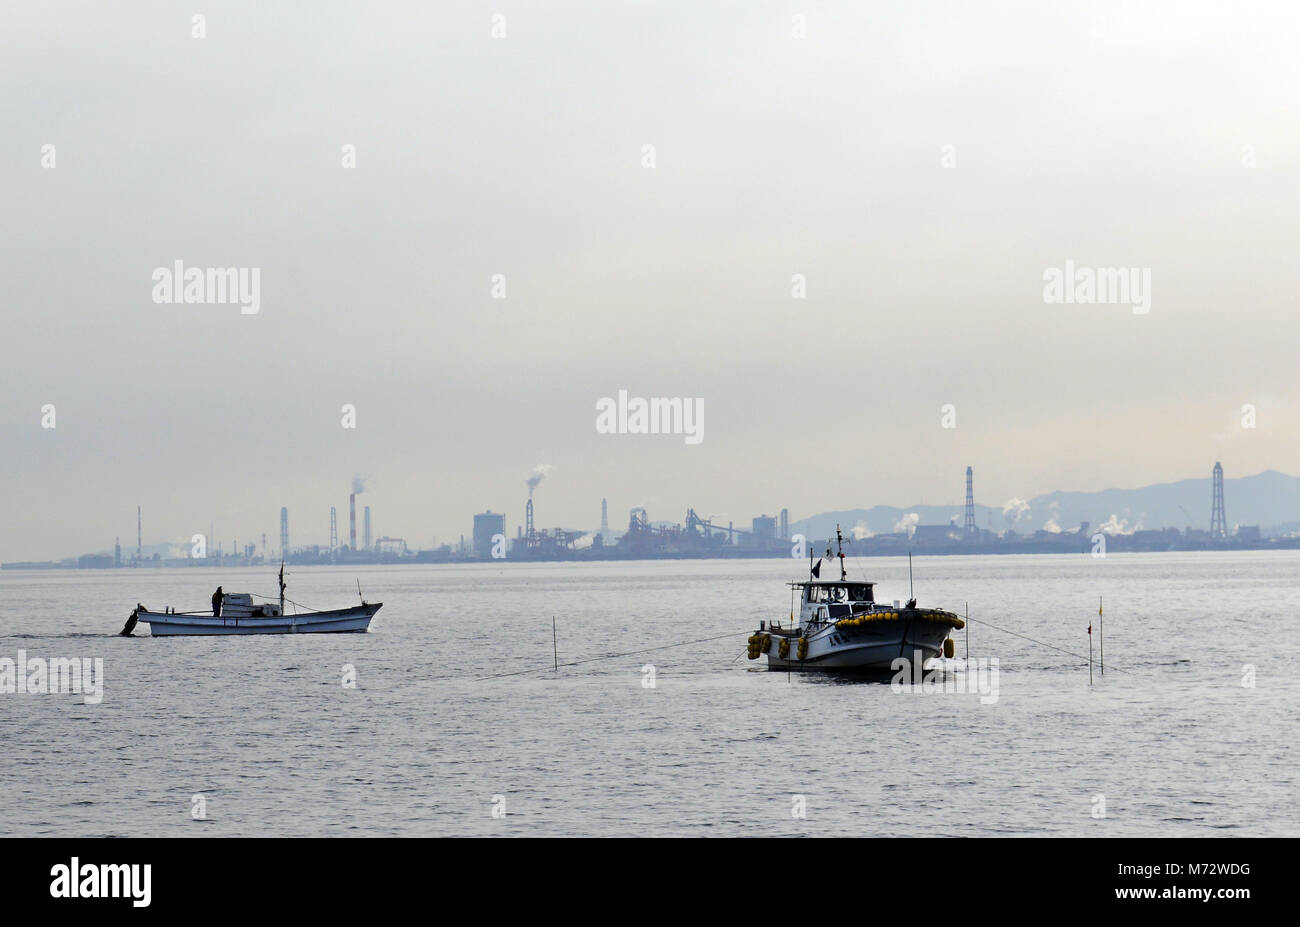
point(486, 526)
point(936, 534)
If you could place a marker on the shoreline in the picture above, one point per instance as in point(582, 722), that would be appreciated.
point(956, 550)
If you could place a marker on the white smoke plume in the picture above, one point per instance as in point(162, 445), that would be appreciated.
point(358, 484)
point(907, 524)
point(538, 474)
point(861, 531)
point(1014, 510)
point(1117, 525)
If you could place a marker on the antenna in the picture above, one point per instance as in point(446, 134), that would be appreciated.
point(911, 593)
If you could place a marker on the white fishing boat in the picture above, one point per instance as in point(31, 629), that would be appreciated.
point(841, 626)
point(236, 613)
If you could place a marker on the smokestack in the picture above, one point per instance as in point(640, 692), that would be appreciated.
point(365, 534)
point(352, 520)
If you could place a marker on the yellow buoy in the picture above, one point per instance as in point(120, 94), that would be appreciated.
point(949, 648)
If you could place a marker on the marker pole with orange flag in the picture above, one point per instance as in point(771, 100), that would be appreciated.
point(1089, 653)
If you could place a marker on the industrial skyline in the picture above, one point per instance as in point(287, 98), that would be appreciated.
point(765, 535)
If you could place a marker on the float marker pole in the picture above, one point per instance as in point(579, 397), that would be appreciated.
point(1101, 636)
point(1090, 653)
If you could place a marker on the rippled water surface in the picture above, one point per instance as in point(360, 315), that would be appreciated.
point(264, 730)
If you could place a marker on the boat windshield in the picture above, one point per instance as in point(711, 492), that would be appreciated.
point(847, 593)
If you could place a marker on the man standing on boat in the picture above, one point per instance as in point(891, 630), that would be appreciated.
point(216, 603)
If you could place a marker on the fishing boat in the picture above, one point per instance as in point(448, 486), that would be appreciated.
point(236, 613)
point(841, 626)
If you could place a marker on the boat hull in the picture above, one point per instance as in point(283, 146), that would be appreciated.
point(873, 647)
point(337, 621)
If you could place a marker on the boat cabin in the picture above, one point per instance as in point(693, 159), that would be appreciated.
point(829, 600)
point(240, 605)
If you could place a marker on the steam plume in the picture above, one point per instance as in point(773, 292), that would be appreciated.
point(539, 473)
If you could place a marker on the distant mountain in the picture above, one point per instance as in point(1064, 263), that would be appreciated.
point(1269, 499)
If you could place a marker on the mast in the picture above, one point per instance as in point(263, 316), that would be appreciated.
point(839, 545)
point(281, 587)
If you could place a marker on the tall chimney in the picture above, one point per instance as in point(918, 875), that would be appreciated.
point(352, 520)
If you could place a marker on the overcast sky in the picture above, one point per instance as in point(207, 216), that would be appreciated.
point(1110, 134)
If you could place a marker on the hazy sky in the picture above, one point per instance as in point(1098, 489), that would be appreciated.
point(1110, 134)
